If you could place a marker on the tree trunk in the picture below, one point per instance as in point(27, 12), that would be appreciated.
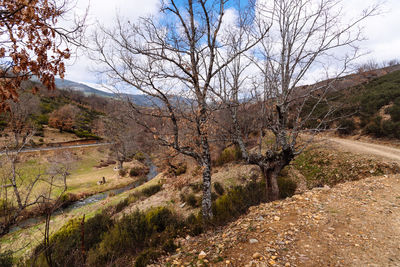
point(47, 248)
point(207, 201)
point(270, 175)
point(120, 163)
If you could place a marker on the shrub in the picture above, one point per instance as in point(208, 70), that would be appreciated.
point(136, 171)
point(146, 257)
point(141, 180)
point(151, 190)
point(65, 244)
point(237, 200)
point(347, 126)
point(374, 127)
point(179, 170)
point(196, 171)
point(140, 156)
point(394, 112)
point(129, 234)
point(132, 234)
point(3, 124)
point(219, 189)
point(169, 246)
point(41, 140)
point(196, 187)
point(287, 187)
point(160, 218)
point(42, 119)
point(6, 207)
point(122, 172)
point(86, 134)
point(121, 205)
point(388, 129)
point(228, 155)
point(6, 259)
point(192, 200)
point(195, 224)
point(95, 227)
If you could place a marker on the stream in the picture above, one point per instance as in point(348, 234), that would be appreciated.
point(89, 200)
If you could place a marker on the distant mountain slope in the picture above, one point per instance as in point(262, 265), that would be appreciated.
point(140, 100)
point(87, 90)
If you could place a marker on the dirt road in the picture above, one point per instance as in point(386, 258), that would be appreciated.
point(30, 150)
point(366, 148)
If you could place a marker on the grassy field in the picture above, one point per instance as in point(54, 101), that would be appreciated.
point(84, 174)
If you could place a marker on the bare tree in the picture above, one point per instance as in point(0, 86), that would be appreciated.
point(20, 191)
point(127, 137)
point(305, 36)
point(55, 185)
point(169, 55)
point(20, 117)
point(370, 65)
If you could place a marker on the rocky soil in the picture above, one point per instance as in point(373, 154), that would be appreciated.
point(352, 224)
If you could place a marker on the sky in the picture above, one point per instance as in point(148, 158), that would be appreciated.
point(382, 31)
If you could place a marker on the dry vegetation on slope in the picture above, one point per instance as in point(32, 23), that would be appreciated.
point(352, 224)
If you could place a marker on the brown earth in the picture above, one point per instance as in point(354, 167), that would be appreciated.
point(352, 224)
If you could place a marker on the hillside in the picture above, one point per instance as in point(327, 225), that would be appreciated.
point(138, 99)
point(320, 227)
point(370, 105)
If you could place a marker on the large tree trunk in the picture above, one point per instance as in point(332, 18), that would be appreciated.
point(270, 176)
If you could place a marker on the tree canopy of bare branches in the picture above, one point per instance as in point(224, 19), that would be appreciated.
point(305, 36)
point(176, 53)
point(126, 136)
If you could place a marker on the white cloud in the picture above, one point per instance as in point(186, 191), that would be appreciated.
point(381, 31)
point(383, 39)
point(104, 12)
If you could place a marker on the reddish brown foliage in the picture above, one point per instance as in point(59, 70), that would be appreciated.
point(30, 44)
point(64, 118)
